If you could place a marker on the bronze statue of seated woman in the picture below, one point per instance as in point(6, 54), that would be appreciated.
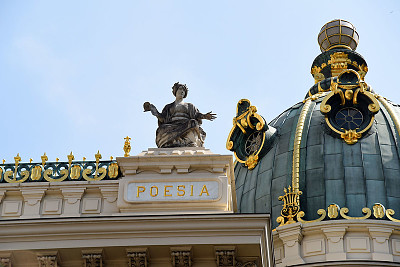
point(179, 122)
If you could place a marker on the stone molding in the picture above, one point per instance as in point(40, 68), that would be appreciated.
point(335, 241)
point(120, 232)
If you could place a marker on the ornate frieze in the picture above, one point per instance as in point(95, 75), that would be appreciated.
point(226, 257)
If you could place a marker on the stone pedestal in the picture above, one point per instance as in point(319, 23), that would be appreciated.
point(176, 181)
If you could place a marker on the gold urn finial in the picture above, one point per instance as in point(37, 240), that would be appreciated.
point(44, 159)
point(17, 159)
point(98, 156)
point(71, 157)
point(127, 146)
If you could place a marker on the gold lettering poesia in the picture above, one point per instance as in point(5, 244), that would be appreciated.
point(181, 191)
point(167, 193)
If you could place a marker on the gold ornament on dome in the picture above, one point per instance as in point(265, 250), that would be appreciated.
point(251, 127)
point(333, 211)
point(290, 207)
point(347, 97)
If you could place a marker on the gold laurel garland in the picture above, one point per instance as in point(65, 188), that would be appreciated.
point(296, 146)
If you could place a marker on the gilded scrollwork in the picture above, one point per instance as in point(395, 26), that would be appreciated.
point(321, 212)
point(389, 214)
point(366, 211)
point(350, 107)
point(248, 134)
point(58, 171)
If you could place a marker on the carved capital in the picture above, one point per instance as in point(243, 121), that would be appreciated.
point(181, 256)
point(47, 261)
point(47, 258)
point(137, 257)
point(5, 261)
point(92, 258)
point(225, 256)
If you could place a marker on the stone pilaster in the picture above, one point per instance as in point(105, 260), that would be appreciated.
point(380, 240)
point(181, 256)
point(72, 196)
point(291, 237)
point(335, 242)
point(32, 198)
point(92, 258)
point(137, 257)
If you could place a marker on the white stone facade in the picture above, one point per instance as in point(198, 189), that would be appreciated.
point(338, 243)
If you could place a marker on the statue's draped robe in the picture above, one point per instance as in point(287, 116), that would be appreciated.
point(183, 132)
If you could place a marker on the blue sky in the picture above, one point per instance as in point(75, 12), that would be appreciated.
point(74, 74)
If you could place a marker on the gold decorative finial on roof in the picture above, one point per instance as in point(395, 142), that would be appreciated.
point(98, 156)
point(4, 161)
point(111, 157)
point(71, 157)
point(44, 159)
point(57, 159)
point(17, 159)
point(30, 160)
point(127, 146)
point(84, 158)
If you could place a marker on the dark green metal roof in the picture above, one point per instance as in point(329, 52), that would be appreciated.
point(331, 171)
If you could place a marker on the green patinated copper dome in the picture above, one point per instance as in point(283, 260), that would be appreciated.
point(334, 155)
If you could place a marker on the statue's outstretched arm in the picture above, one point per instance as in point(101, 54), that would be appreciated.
point(209, 116)
point(150, 107)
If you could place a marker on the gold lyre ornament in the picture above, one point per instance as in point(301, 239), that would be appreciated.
point(127, 146)
point(291, 206)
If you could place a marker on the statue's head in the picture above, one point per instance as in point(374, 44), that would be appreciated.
point(177, 85)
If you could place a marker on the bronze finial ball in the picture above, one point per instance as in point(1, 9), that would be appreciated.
point(338, 33)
